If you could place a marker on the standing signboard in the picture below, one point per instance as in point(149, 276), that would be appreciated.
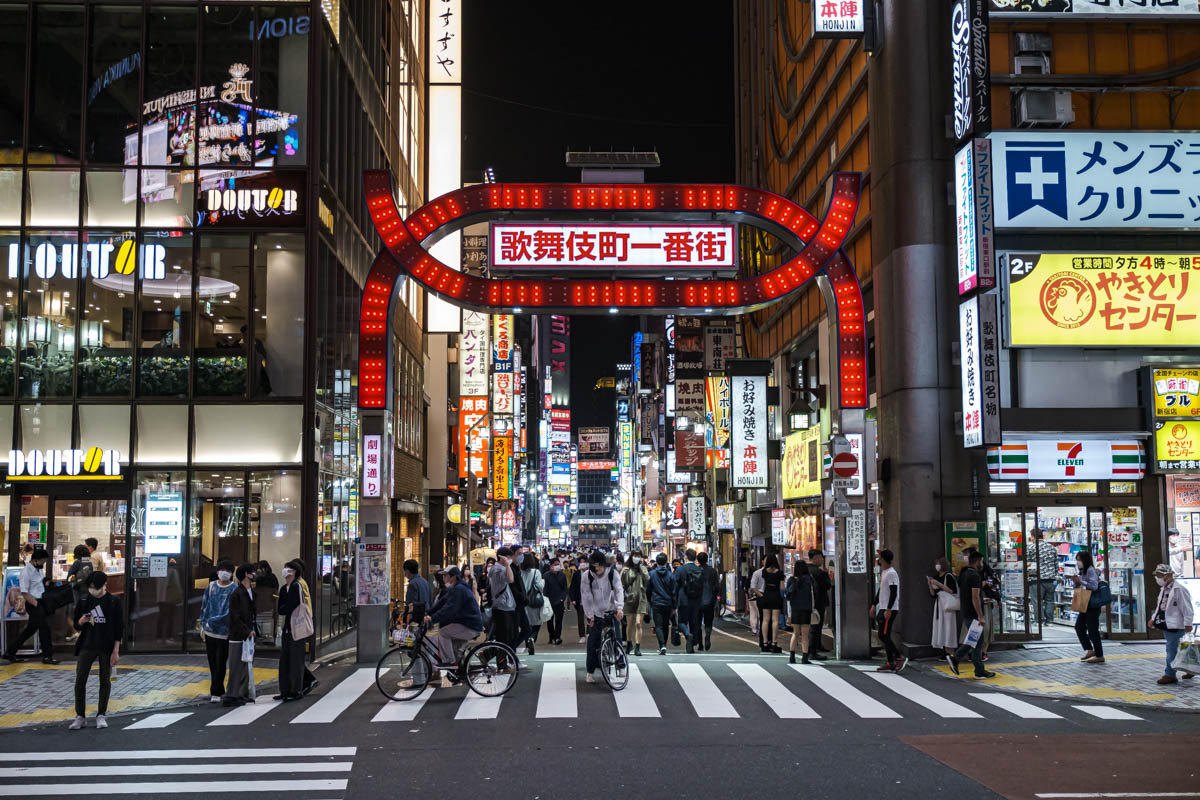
point(749, 437)
point(697, 526)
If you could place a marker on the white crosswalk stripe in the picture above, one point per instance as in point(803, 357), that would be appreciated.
point(704, 695)
point(1108, 712)
point(785, 704)
point(841, 690)
point(339, 698)
point(477, 707)
point(162, 773)
point(1019, 707)
point(403, 710)
point(556, 697)
point(922, 696)
point(159, 720)
point(246, 714)
point(635, 699)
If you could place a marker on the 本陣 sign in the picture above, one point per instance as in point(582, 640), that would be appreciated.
point(800, 471)
point(973, 211)
point(837, 18)
point(557, 246)
point(971, 86)
point(1057, 460)
point(473, 355)
point(593, 441)
point(1130, 8)
point(1103, 300)
point(749, 423)
point(979, 356)
point(1176, 392)
point(1096, 179)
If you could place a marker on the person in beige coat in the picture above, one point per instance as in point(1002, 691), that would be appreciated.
point(635, 579)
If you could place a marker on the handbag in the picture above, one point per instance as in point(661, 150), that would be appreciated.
point(302, 623)
point(248, 651)
point(1080, 599)
point(1101, 597)
point(948, 602)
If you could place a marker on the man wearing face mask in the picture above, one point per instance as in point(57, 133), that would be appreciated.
point(214, 626)
point(1173, 616)
point(100, 623)
point(603, 602)
point(33, 587)
point(555, 590)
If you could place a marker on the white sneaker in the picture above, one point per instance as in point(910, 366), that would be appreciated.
point(583, 640)
point(76, 724)
point(521, 650)
point(522, 667)
point(101, 722)
point(589, 678)
point(216, 698)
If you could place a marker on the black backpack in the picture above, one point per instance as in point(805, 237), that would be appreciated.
point(692, 584)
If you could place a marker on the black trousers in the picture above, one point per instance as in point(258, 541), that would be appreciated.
point(554, 625)
point(1087, 628)
point(84, 666)
point(707, 614)
point(291, 665)
point(662, 624)
point(218, 661)
point(814, 633)
point(39, 623)
point(502, 626)
point(522, 630)
point(886, 626)
point(689, 623)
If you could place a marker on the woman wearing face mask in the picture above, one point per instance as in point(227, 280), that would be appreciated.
point(291, 650)
point(635, 578)
point(534, 585)
point(214, 626)
point(1087, 623)
point(944, 590)
point(556, 592)
point(243, 630)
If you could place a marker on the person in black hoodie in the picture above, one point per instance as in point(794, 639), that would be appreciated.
point(556, 591)
point(662, 600)
point(243, 630)
point(573, 593)
point(291, 652)
point(101, 626)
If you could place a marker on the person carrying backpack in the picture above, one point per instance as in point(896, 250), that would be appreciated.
point(662, 600)
point(691, 587)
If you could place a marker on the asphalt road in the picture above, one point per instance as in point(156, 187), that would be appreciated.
point(724, 724)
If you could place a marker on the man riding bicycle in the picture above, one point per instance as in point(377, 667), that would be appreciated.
point(603, 602)
point(459, 621)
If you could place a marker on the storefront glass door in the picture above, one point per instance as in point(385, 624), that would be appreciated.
point(1066, 528)
point(1125, 567)
point(1016, 615)
point(158, 573)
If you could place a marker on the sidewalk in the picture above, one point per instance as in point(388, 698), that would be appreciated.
point(32, 693)
point(1127, 676)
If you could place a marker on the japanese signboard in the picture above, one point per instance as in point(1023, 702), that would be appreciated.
point(445, 41)
point(1096, 179)
point(372, 480)
point(971, 70)
point(626, 466)
point(719, 345)
point(502, 468)
point(1103, 300)
point(1076, 460)
point(1177, 445)
point(556, 355)
point(270, 198)
point(856, 542)
point(1107, 8)
point(593, 441)
point(838, 18)
point(1176, 392)
point(502, 343)
point(973, 205)
point(689, 449)
point(979, 354)
point(717, 403)
point(696, 522)
point(470, 411)
point(749, 438)
point(651, 515)
point(597, 465)
point(538, 246)
point(372, 574)
point(778, 526)
point(473, 355)
point(503, 393)
point(725, 517)
point(800, 471)
point(673, 511)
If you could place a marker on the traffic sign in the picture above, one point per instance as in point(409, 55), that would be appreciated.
point(845, 483)
point(845, 465)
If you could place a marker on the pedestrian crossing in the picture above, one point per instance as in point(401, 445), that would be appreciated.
point(272, 771)
point(712, 689)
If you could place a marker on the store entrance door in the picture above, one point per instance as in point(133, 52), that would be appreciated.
point(1017, 616)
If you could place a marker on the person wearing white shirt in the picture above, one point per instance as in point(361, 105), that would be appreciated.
point(887, 601)
point(757, 585)
point(33, 587)
point(603, 601)
point(1173, 616)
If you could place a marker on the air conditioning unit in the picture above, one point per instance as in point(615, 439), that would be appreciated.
point(1044, 109)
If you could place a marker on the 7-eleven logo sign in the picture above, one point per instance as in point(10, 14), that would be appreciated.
point(1069, 456)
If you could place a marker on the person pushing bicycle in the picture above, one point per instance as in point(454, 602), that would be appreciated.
point(459, 620)
point(603, 601)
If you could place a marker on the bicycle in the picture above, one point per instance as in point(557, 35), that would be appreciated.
point(614, 665)
point(489, 668)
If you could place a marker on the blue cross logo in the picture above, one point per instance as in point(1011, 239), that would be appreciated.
point(1036, 177)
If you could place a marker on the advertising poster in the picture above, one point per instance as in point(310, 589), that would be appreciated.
point(164, 523)
point(12, 595)
point(1176, 392)
point(961, 536)
point(801, 469)
point(593, 441)
point(1177, 445)
point(725, 517)
point(373, 579)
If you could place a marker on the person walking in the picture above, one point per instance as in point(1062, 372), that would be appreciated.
point(822, 586)
point(243, 635)
point(944, 589)
point(752, 597)
point(1087, 623)
point(500, 578)
point(1173, 616)
point(535, 598)
point(32, 585)
point(1047, 574)
point(635, 580)
point(710, 583)
point(573, 597)
point(602, 597)
point(770, 603)
point(214, 627)
point(800, 593)
point(100, 622)
point(970, 598)
point(689, 591)
point(662, 600)
point(886, 611)
point(556, 592)
point(417, 595)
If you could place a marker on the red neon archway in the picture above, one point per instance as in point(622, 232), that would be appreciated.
point(404, 252)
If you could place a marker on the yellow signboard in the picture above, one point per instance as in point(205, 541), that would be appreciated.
point(1177, 445)
point(800, 471)
point(1176, 392)
point(502, 467)
point(1103, 300)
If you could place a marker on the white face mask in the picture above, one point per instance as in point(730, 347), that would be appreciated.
point(224, 575)
point(636, 560)
point(1161, 581)
point(557, 567)
point(288, 573)
point(96, 592)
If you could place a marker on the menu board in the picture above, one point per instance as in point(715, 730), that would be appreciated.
point(164, 523)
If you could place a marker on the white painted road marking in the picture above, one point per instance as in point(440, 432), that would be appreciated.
point(556, 697)
point(840, 689)
point(704, 695)
point(785, 704)
point(1019, 707)
point(246, 714)
point(922, 696)
point(635, 699)
point(1107, 712)
point(339, 698)
point(403, 710)
point(158, 721)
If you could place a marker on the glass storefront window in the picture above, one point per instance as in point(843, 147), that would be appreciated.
point(46, 427)
point(114, 69)
point(107, 203)
point(47, 330)
point(222, 329)
point(275, 535)
point(53, 200)
point(156, 606)
point(278, 316)
point(1063, 487)
point(225, 137)
point(10, 298)
point(54, 114)
point(169, 121)
point(281, 85)
point(166, 317)
point(217, 530)
point(106, 427)
point(167, 198)
point(1125, 564)
point(162, 433)
point(12, 84)
point(10, 188)
point(106, 316)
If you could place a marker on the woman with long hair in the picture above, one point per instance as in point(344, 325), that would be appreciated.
point(771, 603)
point(801, 598)
point(635, 579)
point(1087, 623)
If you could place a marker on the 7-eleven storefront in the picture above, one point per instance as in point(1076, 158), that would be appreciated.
point(1082, 494)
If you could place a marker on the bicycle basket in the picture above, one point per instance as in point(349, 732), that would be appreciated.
point(403, 636)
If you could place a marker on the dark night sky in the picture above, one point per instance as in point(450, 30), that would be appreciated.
point(543, 77)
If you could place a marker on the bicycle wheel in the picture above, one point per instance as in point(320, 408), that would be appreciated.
point(402, 673)
point(613, 665)
point(491, 669)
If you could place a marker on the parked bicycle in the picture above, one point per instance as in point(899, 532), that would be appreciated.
point(488, 668)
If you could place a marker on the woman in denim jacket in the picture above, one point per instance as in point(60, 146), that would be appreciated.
point(214, 626)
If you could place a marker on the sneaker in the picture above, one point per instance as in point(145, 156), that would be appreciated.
point(886, 668)
point(589, 679)
point(522, 667)
point(953, 662)
point(76, 724)
point(662, 651)
point(448, 682)
point(405, 683)
point(1165, 679)
point(216, 698)
point(985, 674)
point(101, 722)
point(583, 640)
point(901, 664)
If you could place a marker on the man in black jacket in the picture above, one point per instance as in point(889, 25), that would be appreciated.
point(821, 587)
point(243, 629)
point(574, 595)
point(101, 626)
point(662, 600)
point(710, 582)
point(556, 592)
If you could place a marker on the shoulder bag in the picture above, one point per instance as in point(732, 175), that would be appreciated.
point(948, 602)
point(302, 623)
